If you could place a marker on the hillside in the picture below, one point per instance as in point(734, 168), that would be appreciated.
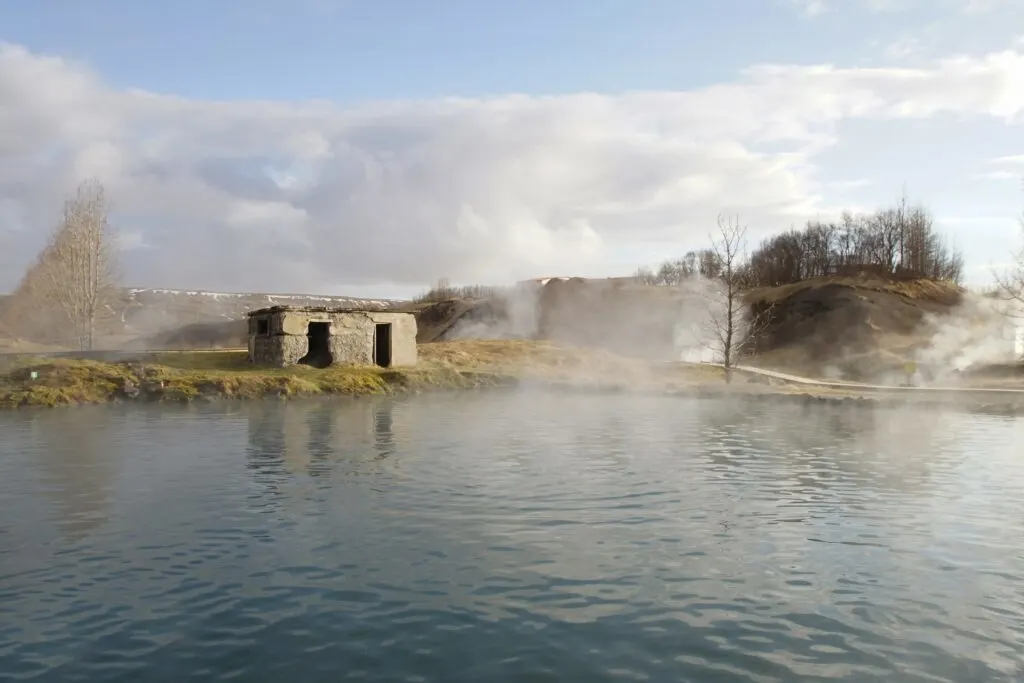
point(165, 318)
point(861, 327)
point(614, 314)
point(857, 328)
point(149, 309)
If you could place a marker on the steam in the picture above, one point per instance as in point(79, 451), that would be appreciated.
point(518, 317)
point(678, 323)
point(702, 314)
point(979, 331)
point(654, 323)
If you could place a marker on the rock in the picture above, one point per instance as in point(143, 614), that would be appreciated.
point(152, 387)
point(130, 389)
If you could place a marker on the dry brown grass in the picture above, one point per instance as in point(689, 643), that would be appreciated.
point(927, 290)
point(8, 345)
point(190, 375)
point(544, 360)
point(207, 375)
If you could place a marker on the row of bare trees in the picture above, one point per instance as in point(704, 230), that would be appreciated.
point(898, 240)
point(444, 290)
point(704, 263)
point(66, 293)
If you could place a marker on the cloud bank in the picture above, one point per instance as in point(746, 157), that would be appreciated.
point(312, 196)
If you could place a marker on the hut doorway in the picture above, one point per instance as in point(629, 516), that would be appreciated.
point(319, 348)
point(382, 345)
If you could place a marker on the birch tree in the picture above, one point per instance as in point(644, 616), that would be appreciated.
point(1011, 283)
point(77, 271)
point(732, 326)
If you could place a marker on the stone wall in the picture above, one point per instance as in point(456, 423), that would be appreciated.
point(278, 350)
point(351, 341)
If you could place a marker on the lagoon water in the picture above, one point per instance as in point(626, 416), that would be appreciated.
point(511, 537)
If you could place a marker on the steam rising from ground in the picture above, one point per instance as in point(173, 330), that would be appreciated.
point(519, 318)
point(679, 323)
point(659, 323)
point(977, 332)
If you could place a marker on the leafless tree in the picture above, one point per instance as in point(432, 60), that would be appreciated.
point(897, 240)
point(1010, 285)
point(731, 324)
point(645, 276)
point(76, 275)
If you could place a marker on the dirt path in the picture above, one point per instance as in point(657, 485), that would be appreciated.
point(857, 386)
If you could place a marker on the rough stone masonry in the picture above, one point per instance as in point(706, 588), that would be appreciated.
point(282, 336)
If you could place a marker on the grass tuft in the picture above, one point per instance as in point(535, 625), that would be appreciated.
point(204, 375)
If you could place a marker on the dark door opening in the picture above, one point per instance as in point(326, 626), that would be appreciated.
point(319, 353)
point(382, 345)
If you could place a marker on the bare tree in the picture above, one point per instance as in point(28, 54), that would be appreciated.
point(1010, 285)
point(899, 240)
point(77, 275)
point(645, 276)
point(731, 324)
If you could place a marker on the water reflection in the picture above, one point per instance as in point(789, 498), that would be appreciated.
point(315, 438)
point(891, 448)
point(78, 461)
point(523, 537)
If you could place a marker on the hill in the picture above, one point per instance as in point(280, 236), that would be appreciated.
point(863, 328)
point(172, 318)
point(617, 315)
point(144, 310)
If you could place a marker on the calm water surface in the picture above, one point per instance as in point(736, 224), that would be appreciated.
point(511, 538)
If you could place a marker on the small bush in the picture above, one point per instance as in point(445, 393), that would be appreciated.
point(443, 290)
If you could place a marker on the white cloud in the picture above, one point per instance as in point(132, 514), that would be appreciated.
point(311, 196)
point(815, 7)
point(1012, 168)
point(986, 5)
point(903, 48)
point(811, 8)
point(999, 175)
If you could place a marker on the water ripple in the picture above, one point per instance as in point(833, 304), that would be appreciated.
point(512, 537)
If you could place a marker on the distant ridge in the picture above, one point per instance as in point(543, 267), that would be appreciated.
point(144, 312)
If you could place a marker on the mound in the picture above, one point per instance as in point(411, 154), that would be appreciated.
point(626, 318)
point(217, 335)
point(444, 320)
point(614, 315)
point(859, 327)
point(854, 327)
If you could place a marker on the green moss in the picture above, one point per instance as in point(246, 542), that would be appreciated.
point(458, 365)
point(183, 377)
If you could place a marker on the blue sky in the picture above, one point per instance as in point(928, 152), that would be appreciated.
point(351, 51)
point(371, 147)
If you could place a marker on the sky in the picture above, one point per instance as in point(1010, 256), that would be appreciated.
point(372, 148)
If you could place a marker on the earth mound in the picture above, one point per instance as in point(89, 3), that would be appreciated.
point(844, 327)
point(229, 334)
point(853, 328)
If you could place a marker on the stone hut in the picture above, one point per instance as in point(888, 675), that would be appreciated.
point(284, 335)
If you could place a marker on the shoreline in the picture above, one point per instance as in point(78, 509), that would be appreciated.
point(219, 376)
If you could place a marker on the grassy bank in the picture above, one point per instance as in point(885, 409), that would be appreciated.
point(460, 365)
point(203, 375)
